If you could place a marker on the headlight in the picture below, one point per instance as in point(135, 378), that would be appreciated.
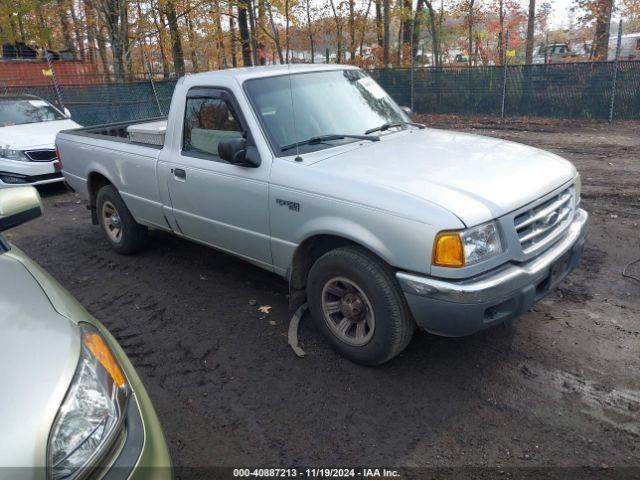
point(92, 412)
point(466, 247)
point(578, 186)
point(11, 154)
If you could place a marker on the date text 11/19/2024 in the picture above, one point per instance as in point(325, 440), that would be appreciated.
point(315, 473)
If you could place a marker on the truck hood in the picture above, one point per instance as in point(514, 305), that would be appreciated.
point(474, 177)
point(34, 135)
point(39, 350)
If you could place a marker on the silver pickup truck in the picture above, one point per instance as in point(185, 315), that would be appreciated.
point(316, 174)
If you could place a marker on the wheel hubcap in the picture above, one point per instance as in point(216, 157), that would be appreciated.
point(347, 311)
point(111, 222)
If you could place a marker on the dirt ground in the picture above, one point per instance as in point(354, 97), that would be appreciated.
point(559, 387)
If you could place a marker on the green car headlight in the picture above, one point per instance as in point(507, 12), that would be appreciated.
point(92, 413)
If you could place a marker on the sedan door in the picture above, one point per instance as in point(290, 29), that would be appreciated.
point(214, 201)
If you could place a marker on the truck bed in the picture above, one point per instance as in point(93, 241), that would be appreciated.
point(116, 132)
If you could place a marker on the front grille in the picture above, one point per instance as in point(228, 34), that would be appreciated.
point(45, 155)
point(540, 224)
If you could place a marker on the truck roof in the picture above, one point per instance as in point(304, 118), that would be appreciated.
point(246, 73)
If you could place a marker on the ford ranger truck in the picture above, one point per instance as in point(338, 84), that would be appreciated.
point(314, 173)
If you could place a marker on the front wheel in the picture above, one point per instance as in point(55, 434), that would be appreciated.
point(123, 233)
point(357, 304)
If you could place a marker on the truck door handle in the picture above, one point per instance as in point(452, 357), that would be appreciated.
point(179, 173)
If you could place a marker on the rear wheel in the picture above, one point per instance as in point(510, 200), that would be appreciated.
point(123, 233)
point(357, 304)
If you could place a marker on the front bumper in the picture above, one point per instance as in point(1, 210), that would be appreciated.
point(457, 308)
point(143, 453)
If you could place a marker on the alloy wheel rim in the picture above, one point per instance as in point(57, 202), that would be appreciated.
point(347, 311)
point(111, 222)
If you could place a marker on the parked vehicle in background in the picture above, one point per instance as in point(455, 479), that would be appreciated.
point(71, 403)
point(313, 172)
point(629, 47)
point(28, 128)
point(582, 51)
point(553, 53)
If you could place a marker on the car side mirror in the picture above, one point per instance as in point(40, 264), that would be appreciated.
point(407, 110)
point(237, 152)
point(18, 205)
point(67, 112)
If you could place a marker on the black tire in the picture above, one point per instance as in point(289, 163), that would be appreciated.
point(394, 325)
point(133, 236)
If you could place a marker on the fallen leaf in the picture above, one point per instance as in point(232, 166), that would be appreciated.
point(265, 308)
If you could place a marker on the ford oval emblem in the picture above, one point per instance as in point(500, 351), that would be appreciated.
point(550, 219)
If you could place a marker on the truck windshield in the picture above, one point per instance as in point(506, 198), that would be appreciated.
point(21, 111)
point(339, 104)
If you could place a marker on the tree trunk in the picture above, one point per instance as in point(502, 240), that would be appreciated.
point(219, 36)
point(252, 32)
point(386, 34)
point(176, 41)
point(379, 23)
point(310, 30)
point(531, 22)
point(232, 34)
point(603, 24)
point(435, 50)
point(260, 40)
point(338, 22)
point(364, 29)
point(276, 33)
point(160, 24)
point(67, 34)
point(191, 35)
point(407, 15)
point(286, 31)
point(76, 29)
point(501, 33)
point(470, 52)
point(90, 20)
point(352, 30)
point(244, 34)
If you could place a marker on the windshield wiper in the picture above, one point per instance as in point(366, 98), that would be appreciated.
point(328, 137)
point(387, 126)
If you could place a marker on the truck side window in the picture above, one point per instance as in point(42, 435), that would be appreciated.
point(208, 121)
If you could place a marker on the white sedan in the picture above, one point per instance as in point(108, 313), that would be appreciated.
point(28, 128)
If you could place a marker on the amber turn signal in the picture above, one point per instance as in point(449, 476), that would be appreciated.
point(102, 354)
point(447, 250)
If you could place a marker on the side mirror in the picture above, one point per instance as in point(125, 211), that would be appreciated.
point(236, 151)
point(407, 110)
point(18, 205)
point(67, 112)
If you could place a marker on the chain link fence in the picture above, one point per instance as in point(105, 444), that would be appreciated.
point(573, 90)
point(570, 90)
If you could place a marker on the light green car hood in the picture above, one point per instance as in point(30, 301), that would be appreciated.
point(39, 350)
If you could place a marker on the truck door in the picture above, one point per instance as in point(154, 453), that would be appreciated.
point(213, 201)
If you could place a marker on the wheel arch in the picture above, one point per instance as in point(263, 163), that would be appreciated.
point(313, 247)
point(95, 181)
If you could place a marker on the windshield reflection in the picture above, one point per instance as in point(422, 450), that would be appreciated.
point(297, 107)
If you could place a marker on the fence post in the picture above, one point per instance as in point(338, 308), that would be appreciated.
point(56, 87)
point(615, 73)
point(504, 76)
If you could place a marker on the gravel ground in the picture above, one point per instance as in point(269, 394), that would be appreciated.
point(559, 387)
